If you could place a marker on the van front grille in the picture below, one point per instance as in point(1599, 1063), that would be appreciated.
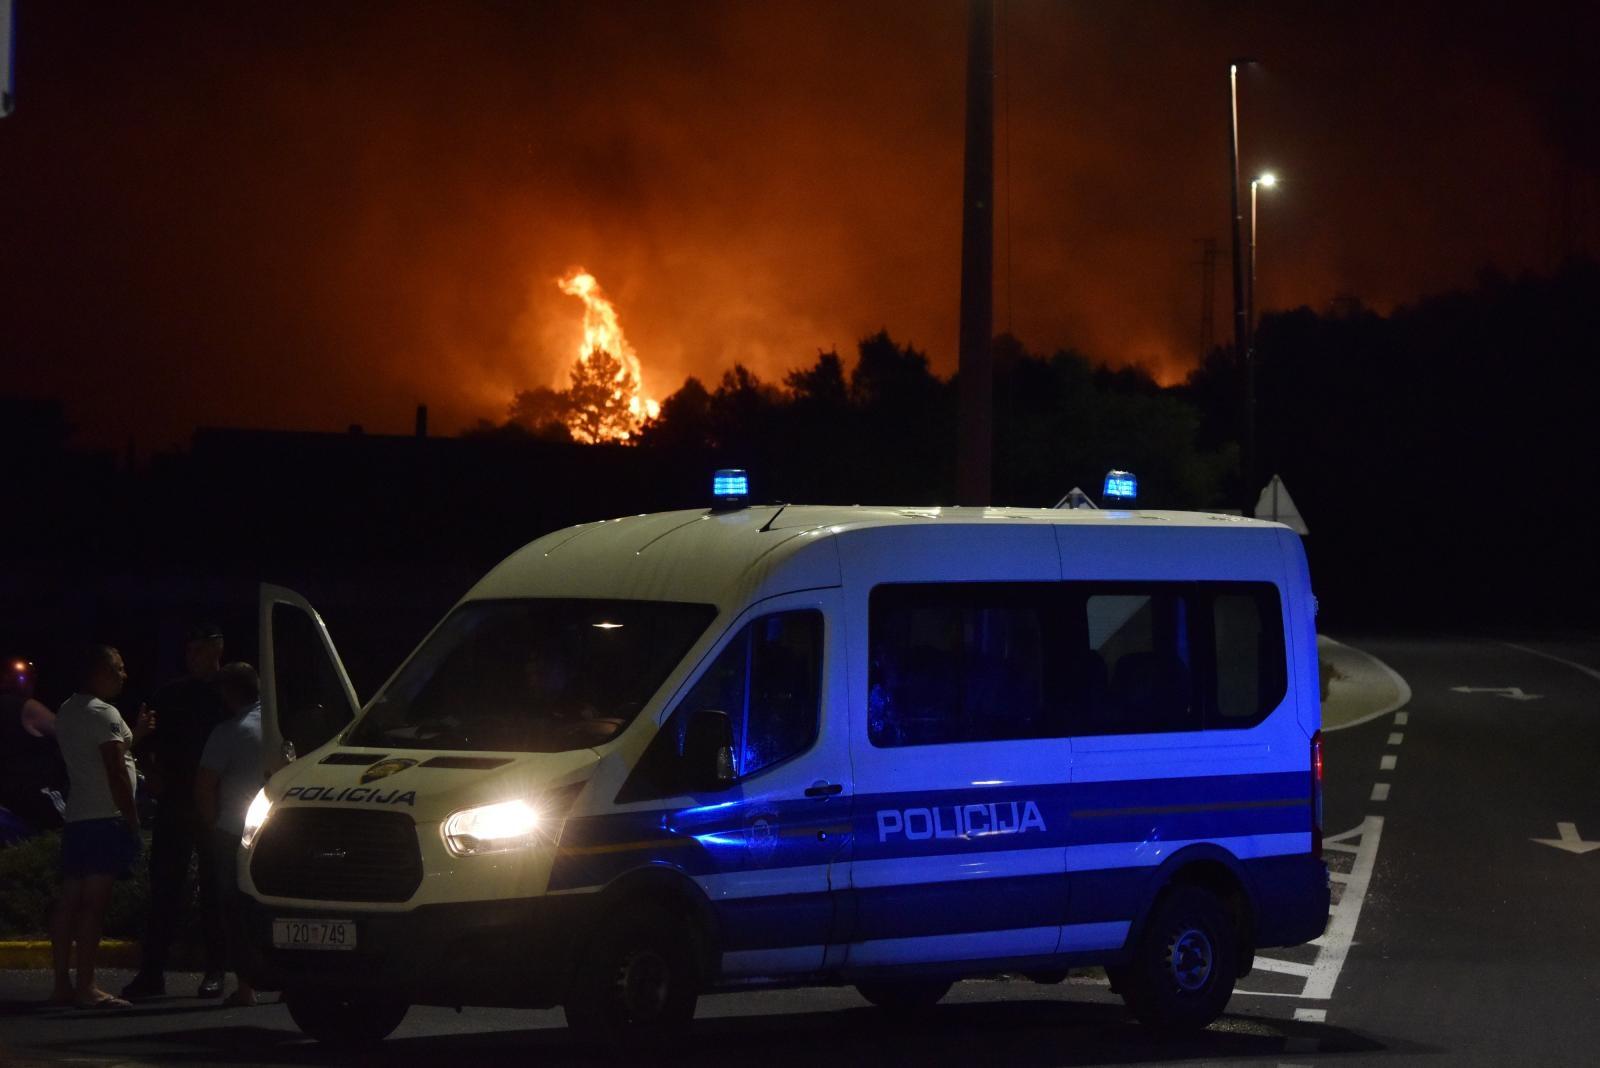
point(329, 854)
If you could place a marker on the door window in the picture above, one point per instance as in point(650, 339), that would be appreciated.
point(312, 703)
point(768, 682)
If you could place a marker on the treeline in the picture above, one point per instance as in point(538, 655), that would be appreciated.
point(884, 429)
point(1443, 454)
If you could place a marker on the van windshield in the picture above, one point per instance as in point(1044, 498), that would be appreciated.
point(535, 676)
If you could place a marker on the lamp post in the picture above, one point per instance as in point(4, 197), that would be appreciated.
point(1266, 181)
point(1240, 325)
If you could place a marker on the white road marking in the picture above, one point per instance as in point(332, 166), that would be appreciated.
point(1311, 1015)
point(1400, 718)
point(1333, 946)
point(1388, 762)
point(1589, 671)
point(1513, 692)
point(1569, 840)
point(1283, 967)
point(1380, 791)
point(1396, 737)
point(1342, 927)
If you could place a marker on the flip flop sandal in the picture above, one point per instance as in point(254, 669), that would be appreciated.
point(110, 1001)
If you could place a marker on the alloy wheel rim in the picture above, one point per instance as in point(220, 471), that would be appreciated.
point(1190, 958)
point(644, 982)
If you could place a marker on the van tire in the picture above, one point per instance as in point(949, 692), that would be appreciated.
point(905, 997)
point(346, 1023)
point(636, 985)
point(1183, 968)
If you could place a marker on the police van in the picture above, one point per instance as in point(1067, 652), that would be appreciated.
point(745, 746)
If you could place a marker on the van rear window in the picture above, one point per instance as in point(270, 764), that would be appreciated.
point(533, 676)
point(970, 662)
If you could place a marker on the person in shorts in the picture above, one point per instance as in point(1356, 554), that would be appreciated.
point(229, 778)
point(100, 841)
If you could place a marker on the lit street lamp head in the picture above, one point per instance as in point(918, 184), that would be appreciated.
point(1266, 180)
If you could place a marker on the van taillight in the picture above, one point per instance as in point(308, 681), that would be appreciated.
point(1316, 794)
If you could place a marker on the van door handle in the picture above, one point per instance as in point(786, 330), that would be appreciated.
point(823, 789)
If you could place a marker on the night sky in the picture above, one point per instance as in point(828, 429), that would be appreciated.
point(309, 215)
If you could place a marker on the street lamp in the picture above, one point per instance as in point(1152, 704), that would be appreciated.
point(1240, 324)
point(1266, 180)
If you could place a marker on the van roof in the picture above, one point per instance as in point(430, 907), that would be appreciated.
point(728, 557)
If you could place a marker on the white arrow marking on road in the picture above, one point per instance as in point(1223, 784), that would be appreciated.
point(1569, 839)
point(1513, 692)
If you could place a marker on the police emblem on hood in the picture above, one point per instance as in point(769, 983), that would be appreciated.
point(384, 768)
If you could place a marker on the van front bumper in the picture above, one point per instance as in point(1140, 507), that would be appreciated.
point(516, 953)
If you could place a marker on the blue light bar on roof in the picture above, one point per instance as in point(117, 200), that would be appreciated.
point(731, 485)
point(1122, 487)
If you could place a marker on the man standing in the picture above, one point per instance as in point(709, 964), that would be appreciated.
point(228, 780)
point(101, 839)
point(189, 708)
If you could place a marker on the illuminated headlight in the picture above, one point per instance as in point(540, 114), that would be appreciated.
point(254, 817)
point(492, 828)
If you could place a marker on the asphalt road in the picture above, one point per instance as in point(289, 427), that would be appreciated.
point(1456, 937)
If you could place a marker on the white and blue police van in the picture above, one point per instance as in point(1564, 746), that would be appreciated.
point(746, 746)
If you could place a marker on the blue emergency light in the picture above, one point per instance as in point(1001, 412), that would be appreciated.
point(1122, 487)
point(730, 488)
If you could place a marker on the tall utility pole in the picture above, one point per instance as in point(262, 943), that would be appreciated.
point(975, 441)
point(1241, 329)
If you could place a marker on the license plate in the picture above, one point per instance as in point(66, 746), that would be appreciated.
point(314, 934)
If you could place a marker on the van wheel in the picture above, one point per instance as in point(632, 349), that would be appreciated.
point(912, 996)
point(345, 1022)
point(1182, 972)
point(636, 986)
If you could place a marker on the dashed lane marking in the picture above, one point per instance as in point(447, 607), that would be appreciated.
point(1400, 718)
point(1388, 762)
point(1380, 791)
point(1311, 1015)
point(1395, 738)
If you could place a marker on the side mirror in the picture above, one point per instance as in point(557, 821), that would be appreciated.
point(708, 750)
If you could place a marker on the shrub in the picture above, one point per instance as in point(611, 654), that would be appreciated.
point(30, 882)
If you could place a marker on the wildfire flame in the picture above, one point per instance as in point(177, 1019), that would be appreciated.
point(602, 331)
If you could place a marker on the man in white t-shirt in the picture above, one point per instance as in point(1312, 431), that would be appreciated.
point(228, 779)
point(100, 841)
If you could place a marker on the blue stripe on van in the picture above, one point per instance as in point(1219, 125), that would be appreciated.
point(968, 837)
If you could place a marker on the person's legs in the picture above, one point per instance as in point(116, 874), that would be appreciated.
point(212, 923)
point(171, 846)
point(91, 914)
point(225, 865)
point(62, 919)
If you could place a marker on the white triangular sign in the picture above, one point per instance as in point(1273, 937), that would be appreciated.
point(1276, 505)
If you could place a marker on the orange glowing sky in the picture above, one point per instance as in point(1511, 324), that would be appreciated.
point(298, 217)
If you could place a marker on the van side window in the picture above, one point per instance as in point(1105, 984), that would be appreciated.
point(959, 662)
point(1135, 673)
point(1251, 674)
point(768, 681)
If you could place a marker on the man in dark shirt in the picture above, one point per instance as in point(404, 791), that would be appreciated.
point(188, 708)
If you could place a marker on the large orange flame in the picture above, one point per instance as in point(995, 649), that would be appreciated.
point(602, 331)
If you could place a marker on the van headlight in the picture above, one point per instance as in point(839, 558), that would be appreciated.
point(492, 828)
point(254, 817)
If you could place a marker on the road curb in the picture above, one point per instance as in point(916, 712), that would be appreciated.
point(1365, 689)
point(20, 955)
